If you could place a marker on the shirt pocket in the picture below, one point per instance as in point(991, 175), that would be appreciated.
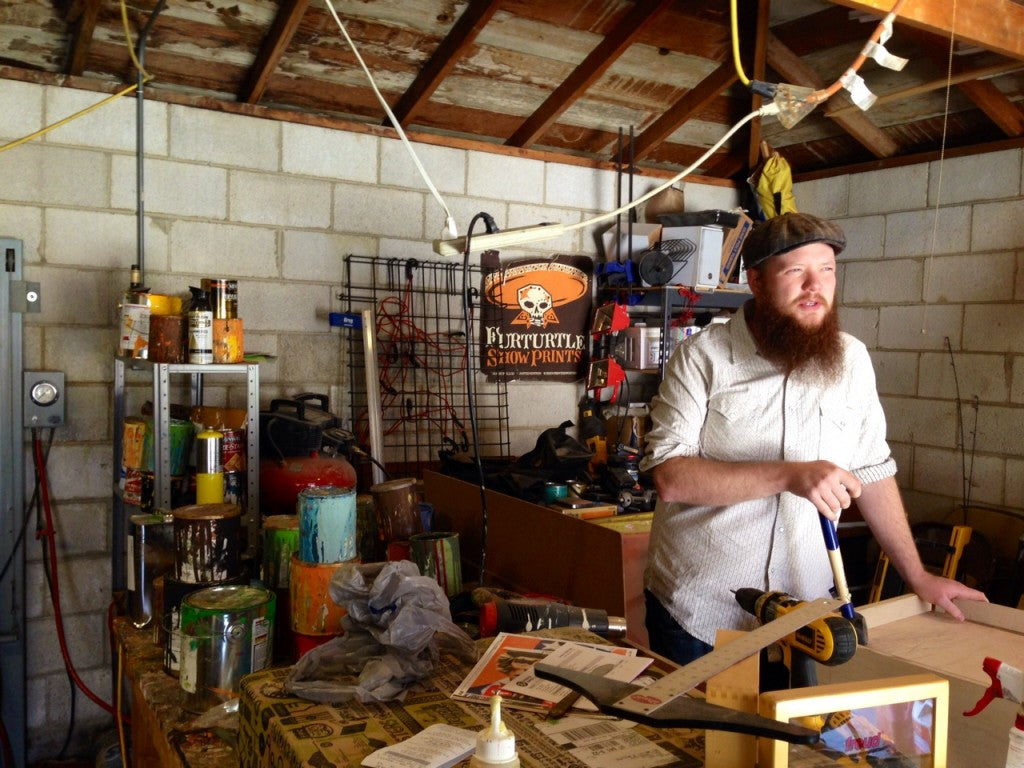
point(732, 431)
point(837, 435)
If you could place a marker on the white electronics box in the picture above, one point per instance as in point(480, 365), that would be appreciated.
point(690, 256)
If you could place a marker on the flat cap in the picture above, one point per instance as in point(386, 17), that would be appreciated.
point(786, 232)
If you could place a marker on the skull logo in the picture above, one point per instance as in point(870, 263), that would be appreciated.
point(536, 302)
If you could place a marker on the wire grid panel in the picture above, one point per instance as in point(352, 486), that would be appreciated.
point(421, 360)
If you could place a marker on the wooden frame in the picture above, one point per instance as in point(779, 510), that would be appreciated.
point(870, 702)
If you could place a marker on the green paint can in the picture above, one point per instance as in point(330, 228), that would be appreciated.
point(226, 633)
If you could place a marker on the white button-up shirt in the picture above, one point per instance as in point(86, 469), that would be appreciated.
point(721, 400)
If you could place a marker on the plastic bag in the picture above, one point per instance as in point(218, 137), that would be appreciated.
point(397, 624)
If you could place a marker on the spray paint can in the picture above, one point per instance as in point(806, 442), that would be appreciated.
point(209, 467)
point(200, 328)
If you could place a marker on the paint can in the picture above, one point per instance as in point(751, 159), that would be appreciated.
point(223, 296)
point(180, 433)
point(327, 524)
point(168, 338)
point(207, 541)
point(226, 633)
point(313, 610)
point(366, 529)
point(397, 506)
point(398, 550)
point(302, 644)
point(174, 591)
point(437, 555)
point(280, 542)
point(235, 488)
point(228, 340)
point(150, 554)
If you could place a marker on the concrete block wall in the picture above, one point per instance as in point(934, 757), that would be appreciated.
point(274, 205)
point(932, 282)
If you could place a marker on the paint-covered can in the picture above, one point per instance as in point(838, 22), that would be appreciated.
point(397, 505)
point(313, 610)
point(226, 633)
point(180, 446)
point(367, 542)
point(280, 542)
point(235, 488)
point(207, 542)
point(174, 591)
point(327, 524)
point(437, 555)
point(150, 554)
point(133, 442)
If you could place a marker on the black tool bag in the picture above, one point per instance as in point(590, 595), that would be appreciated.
point(295, 427)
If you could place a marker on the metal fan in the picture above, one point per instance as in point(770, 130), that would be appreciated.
point(658, 265)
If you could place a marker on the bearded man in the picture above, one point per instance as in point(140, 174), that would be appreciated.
point(759, 425)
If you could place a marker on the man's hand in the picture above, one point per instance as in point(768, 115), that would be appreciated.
point(828, 487)
point(941, 591)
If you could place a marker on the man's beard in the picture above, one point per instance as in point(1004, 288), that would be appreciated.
point(816, 351)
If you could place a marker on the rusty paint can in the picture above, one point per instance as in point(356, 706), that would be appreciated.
point(313, 610)
point(226, 633)
point(397, 505)
point(280, 542)
point(168, 338)
point(327, 524)
point(366, 529)
point(207, 542)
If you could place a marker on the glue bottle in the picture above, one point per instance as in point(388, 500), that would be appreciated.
point(495, 745)
point(1007, 683)
point(200, 328)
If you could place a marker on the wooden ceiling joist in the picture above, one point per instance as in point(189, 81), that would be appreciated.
point(289, 14)
point(589, 70)
point(82, 16)
point(459, 38)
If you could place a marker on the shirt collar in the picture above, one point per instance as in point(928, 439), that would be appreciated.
point(743, 347)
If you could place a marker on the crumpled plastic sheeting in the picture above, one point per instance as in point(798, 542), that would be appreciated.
point(397, 625)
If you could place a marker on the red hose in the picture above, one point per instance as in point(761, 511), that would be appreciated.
point(49, 533)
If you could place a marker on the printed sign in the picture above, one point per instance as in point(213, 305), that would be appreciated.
point(535, 317)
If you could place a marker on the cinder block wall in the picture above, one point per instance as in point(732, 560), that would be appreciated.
point(932, 282)
point(276, 206)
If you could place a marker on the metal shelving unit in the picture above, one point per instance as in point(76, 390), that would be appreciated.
point(161, 374)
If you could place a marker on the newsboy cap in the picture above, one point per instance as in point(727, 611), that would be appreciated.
point(786, 232)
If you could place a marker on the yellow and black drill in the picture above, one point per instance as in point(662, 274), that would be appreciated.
point(830, 640)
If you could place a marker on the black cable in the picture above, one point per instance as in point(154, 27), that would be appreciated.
point(470, 399)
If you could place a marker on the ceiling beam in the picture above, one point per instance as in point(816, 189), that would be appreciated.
point(459, 38)
point(589, 70)
point(690, 104)
point(82, 15)
point(989, 99)
point(760, 35)
point(997, 25)
point(289, 14)
point(793, 70)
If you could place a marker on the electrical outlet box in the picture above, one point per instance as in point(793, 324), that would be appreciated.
point(43, 398)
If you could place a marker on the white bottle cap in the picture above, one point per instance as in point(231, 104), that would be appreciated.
point(496, 745)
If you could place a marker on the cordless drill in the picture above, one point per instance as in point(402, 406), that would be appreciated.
point(830, 640)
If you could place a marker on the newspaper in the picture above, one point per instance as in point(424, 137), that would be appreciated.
point(506, 670)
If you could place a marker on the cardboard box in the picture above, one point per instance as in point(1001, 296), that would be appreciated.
point(731, 247)
point(645, 236)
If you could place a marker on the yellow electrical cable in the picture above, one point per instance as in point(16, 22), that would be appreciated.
point(128, 37)
point(117, 704)
point(734, 23)
point(66, 120)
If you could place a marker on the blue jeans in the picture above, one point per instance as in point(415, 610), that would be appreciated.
point(667, 638)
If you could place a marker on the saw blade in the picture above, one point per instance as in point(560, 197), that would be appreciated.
point(659, 693)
